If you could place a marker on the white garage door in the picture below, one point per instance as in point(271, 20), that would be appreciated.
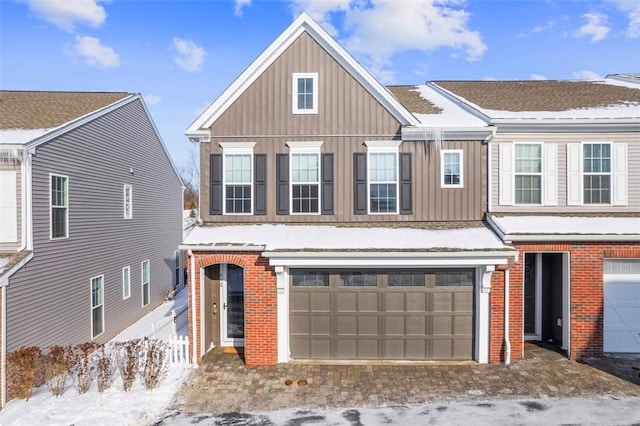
point(622, 305)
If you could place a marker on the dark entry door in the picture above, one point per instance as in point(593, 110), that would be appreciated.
point(552, 322)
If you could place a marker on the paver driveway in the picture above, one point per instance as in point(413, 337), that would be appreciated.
point(224, 383)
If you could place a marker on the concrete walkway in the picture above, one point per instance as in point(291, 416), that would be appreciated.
point(224, 384)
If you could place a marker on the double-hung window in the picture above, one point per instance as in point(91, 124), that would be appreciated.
point(305, 177)
point(596, 167)
point(59, 199)
point(97, 306)
point(528, 173)
point(146, 290)
point(128, 202)
point(451, 163)
point(305, 93)
point(238, 177)
point(126, 282)
point(382, 176)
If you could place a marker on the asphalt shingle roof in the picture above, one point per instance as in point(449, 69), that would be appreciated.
point(542, 95)
point(44, 110)
point(411, 100)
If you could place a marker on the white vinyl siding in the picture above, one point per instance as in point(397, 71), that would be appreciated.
point(126, 282)
point(305, 93)
point(128, 202)
point(451, 164)
point(145, 274)
point(97, 306)
point(8, 208)
point(59, 206)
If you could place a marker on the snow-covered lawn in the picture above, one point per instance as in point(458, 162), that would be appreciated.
point(114, 406)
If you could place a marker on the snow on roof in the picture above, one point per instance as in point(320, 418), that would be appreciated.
point(313, 238)
point(557, 226)
point(20, 136)
point(451, 115)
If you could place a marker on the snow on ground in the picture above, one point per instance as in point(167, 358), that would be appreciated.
point(114, 406)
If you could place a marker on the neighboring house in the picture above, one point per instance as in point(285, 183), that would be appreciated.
point(90, 217)
point(564, 187)
point(339, 221)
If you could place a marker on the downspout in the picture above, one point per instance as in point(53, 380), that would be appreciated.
point(4, 346)
point(192, 276)
point(507, 341)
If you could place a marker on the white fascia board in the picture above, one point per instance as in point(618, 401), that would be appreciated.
point(302, 24)
point(4, 278)
point(388, 259)
point(571, 237)
point(469, 107)
point(75, 123)
point(566, 125)
point(234, 247)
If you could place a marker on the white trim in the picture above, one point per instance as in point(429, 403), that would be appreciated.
point(101, 278)
point(142, 283)
point(482, 310)
point(383, 147)
point(610, 173)
point(549, 174)
point(127, 214)
point(294, 93)
point(505, 174)
point(619, 170)
point(282, 286)
point(200, 127)
point(9, 207)
point(460, 153)
point(224, 288)
point(125, 296)
point(51, 175)
point(237, 148)
point(574, 174)
point(540, 173)
point(305, 148)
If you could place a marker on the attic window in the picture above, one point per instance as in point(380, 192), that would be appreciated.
point(305, 93)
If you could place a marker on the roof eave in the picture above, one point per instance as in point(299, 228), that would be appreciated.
point(517, 238)
point(422, 133)
point(566, 125)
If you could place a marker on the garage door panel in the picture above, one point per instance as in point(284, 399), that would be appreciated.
point(368, 325)
point(394, 325)
point(368, 348)
point(462, 302)
point(395, 302)
point(368, 302)
point(347, 325)
point(621, 325)
point(321, 348)
point(416, 349)
point(442, 302)
point(463, 325)
point(347, 301)
point(462, 349)
point(300, 324)
point(346, 348)
point(442, 325)
point(321, 302)
point(321, 325)
point(417, 302)
point(441, 348)
point(300, 302)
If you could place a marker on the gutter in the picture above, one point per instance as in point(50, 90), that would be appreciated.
point(226, 247)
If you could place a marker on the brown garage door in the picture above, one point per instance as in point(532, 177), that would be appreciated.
point(417, 314)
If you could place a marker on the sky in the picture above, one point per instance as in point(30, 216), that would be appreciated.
point(182, 54)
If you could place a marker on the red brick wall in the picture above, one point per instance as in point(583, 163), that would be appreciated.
point(260, 304)
point(586, 293)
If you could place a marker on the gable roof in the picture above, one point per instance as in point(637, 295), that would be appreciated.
point(45, 110)
point(304, 23)
point(558, 102)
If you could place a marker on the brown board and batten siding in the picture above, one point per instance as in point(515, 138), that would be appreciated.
point(12, 166)
point(49, 300)
point(561, 140)
point(348, 116)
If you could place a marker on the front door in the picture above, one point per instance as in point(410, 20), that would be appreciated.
point(232, 297)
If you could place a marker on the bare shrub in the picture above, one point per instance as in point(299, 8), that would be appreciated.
point(24, 371)
point(56, 368)
point(105, 367)
point(154, 363)
point(82, 369)
point(128, 359)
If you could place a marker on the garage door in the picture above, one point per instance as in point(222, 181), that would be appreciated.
point(622, 305)
point(414, 315)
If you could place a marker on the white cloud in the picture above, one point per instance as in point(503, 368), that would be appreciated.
point(239, 5)
point(67, 13)
point(379, 29)
point(596, 27)
point(538, 77)
point(632, 9)
point(152, 99)
point(586, 75)
point(190, 56)
point(95, 53)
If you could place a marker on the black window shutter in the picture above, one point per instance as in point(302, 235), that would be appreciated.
point(406, 203)
point(282, 184)
point(260, 184)
point(215, 187)
point(327, 184)
point(359, 183)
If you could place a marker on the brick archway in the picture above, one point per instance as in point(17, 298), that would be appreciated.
point(261, 333)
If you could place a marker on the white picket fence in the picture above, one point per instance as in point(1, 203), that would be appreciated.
point(167, 329)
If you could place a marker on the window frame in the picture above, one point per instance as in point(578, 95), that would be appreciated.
point(126, 282)
point(237, 148)
point(583, 174)
point(383, 147)
point(147, 283)
point(127, 214)
point(540, 174)
point(306, 148)
point(101, 305)
point(294, 98)
point(443, 183)
point(65, 207)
